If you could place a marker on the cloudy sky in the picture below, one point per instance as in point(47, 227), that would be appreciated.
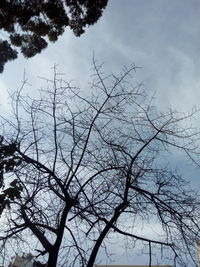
point(160, 36)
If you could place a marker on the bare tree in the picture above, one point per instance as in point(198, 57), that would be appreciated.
point(84, 167)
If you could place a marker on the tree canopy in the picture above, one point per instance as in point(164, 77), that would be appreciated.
point(79, 168)
point(31, 24)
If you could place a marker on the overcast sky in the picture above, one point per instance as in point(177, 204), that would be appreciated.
point(160, 36)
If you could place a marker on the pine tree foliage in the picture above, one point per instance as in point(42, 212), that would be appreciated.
point(31, 24)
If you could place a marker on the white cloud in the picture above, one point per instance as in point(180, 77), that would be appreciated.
point(3, 96)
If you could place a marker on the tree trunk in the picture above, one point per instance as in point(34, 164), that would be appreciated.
point(103, 234)
point(53, 257)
